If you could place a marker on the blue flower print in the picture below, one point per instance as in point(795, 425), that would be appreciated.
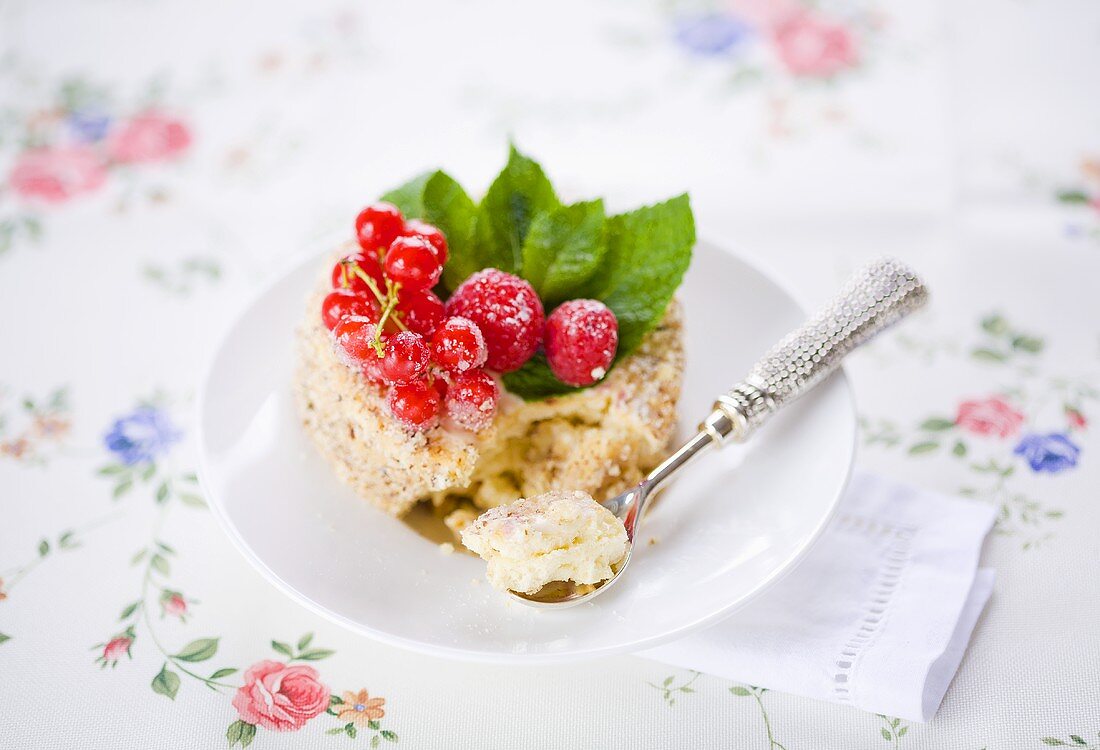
point(1051, 453)
point(710, 34)
point(141, 436)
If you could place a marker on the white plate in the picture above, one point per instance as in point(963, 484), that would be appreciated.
point(732, 525)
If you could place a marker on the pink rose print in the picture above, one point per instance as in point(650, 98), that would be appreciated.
point(1076, 419)
point(173, 604)
point(990, 416)
point(116, 648)
point(812, 47)
point(55, 175)
point(279, 697)
point(148, 137)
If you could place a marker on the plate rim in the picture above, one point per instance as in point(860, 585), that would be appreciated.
point(316, 250)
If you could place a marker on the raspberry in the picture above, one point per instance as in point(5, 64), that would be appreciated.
point(415, 404)
point(344, 276)
point(354, 337)
point(458, 345)
point(508, 312)
point(472, 399)
point(377, 226)
point(412, 262)
point(421, 311)
point(406, 358)
point(417, 228)
point(344, 302)
point(581, 338)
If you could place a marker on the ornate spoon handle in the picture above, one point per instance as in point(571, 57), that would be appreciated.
point(874, 299)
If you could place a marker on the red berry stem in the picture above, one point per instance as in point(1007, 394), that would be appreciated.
point(388, 308)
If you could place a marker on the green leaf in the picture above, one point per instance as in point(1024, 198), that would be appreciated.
point(959, 449)
point(535, 381)
point(282, 648)
point(149, 471)
point(4, 637)
point(563, 250)
point(1072, 196)
point(687, 690)
point(192, 500)
point(1052, 741)
point(122, 488)
point(668, 681)
point(886, 734)
point(335, 730)
point(316, 654)
point(335, 700)
point(248, 733)
point(409, 198)
point(742, 691)
point(1077, 739)
point(375, 741)
point(223, 672)
point(1030, 344)
point(351, 730)
point(448, 207)
point(162, 492)
point(304, 640)
point(519, 193)
point(936, 424)
point(902, 731)
point(987, 355)
point(373, 724)
point(648, 251)
point(924, 447)
point(111, 469)
point(129, 610)
point(66, 540)
point(994, 324)
point(166, 682)
point(199, 650)
point(160, 564)
point(43, 548)
point(387, 734)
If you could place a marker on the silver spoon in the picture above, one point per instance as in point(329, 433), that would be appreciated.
point(874, 299)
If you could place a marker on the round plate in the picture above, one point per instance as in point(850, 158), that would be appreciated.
point(721, 533)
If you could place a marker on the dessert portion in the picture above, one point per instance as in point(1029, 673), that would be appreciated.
point(556, 536)
point(459, 355)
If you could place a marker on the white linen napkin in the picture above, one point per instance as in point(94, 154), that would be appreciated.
point(877, 615)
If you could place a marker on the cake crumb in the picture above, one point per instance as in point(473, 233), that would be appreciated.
point(652, 541)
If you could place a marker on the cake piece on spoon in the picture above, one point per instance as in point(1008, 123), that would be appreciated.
point(555, 536)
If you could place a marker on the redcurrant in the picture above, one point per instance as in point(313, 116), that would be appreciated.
point(412, 262)
point(472, 399)
point(354, 337)
point(377, 226)
point(345, 277)
point(415, 404)
point(343, 302)
point(458, 345)
point(406, 358)
point(420, 310)
point(436, 238)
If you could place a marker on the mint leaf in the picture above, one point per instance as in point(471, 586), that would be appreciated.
point(563, 250)
point(535, 381)
point(519, 193)
point(409, 198)
point(648, 251)
point(438, 199)
point(448, 207)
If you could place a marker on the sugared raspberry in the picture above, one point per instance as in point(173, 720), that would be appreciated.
point(406, 358)
point(418, 228)
point(472, 399)
point(508, 312)
point(416, 404)
point(354, 337)
point(343, 302)
point(345, 277)
point(458, 345)
point(412, 262)
point(421, 311)
point(377, 226)
point(581, 338)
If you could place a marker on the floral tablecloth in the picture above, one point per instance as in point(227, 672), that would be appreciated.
point(160, 160)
